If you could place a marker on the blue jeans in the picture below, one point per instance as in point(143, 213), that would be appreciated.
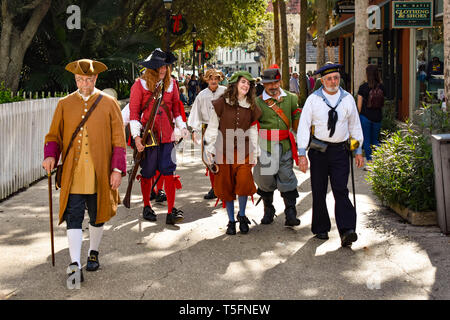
point(371, 131)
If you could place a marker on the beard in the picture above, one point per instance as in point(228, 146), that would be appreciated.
point(273, 92)
point(332, 89)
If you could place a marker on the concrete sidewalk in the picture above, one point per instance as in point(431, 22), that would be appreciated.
point(197, 260)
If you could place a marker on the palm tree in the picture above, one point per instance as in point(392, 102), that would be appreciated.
point(284, 45)
point(447, 51)
point(302, 52)
point(276, 31)
point(361, 44)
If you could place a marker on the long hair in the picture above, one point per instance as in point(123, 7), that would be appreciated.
point(231, 93)
point(373, 77)
point(151, 77)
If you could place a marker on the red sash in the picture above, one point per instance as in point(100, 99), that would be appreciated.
point(278, 135)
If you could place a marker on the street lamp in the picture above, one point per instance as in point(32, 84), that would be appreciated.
point(168, 6)
point(194, 35)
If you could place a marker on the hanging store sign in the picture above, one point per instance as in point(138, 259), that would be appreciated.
point(344, 7)
point(412, 14)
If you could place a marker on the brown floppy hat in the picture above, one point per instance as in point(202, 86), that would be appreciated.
point(86, 67)
point(213, 73)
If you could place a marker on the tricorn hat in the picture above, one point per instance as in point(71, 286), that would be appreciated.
point(329, 68)
point(271, 75)
point(213, 73)
point(157, 59)
point(86, 67)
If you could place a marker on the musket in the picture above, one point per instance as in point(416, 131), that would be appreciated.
point(140, 155)
point(50, 200)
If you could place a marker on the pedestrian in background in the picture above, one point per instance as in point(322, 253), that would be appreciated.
point(193, 89)
point(370, 105)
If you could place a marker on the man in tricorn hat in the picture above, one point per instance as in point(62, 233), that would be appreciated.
point(274, 169)
point(95, 163)
point(332, 113)
point(161, 157)
point(201, 113)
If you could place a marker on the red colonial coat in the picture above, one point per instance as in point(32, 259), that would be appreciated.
point(139, 97)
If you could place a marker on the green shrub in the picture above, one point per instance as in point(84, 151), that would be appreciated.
point(388, 122)
point(5, 95)
point(433, 118)
point(402, 171)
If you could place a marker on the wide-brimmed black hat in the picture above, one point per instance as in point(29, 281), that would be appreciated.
point(271, 75)
point(157, 59)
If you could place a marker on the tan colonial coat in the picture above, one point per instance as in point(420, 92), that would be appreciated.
point(106, 131)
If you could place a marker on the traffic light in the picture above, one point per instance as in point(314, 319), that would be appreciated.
point(206, 56)
point(199, 46)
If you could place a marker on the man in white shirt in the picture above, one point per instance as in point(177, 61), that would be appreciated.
point(332, 115)
point(293, 84)
point(201, 111)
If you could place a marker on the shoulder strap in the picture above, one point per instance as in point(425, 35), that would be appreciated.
point(278, 111)
point(147, 103)
point(86, 117)
point(169, 114)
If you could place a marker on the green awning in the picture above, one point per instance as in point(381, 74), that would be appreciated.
point(346, 26)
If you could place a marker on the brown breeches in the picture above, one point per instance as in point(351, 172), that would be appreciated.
point(232, 180)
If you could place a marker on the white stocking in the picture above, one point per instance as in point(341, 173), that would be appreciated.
point(95, 236)
point(75, 238)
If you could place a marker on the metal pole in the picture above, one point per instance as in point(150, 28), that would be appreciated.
point(193, 56)
point(167, 31)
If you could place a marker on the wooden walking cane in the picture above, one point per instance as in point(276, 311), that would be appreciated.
point(50, 201)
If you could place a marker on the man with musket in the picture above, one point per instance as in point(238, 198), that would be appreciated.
point(94, 160)
point(329, 118)
point(274, 169)
point(159, 151)
point(201, 113)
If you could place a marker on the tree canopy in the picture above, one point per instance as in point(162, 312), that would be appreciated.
point(123, 32)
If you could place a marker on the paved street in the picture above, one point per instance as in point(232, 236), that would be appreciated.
point(197, 260)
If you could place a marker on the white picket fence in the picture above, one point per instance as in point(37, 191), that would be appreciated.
point(23, 126)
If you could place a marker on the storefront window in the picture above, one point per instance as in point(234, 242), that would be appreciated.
point(430, 65)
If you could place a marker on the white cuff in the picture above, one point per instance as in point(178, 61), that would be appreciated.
point(180, 123)
point(135, 128)
point(117, 170)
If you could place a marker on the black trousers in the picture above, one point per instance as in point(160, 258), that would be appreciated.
point(333, 163)
point(76, 206)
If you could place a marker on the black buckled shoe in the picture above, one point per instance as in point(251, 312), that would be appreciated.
point(322, 236)
point(72, 270)
point(348, 237)
point(161, 196)
point(231, 228)
point(92, 262)
point(210, 195)
point(149, 214)
point(175, 217)
point(243, 223)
